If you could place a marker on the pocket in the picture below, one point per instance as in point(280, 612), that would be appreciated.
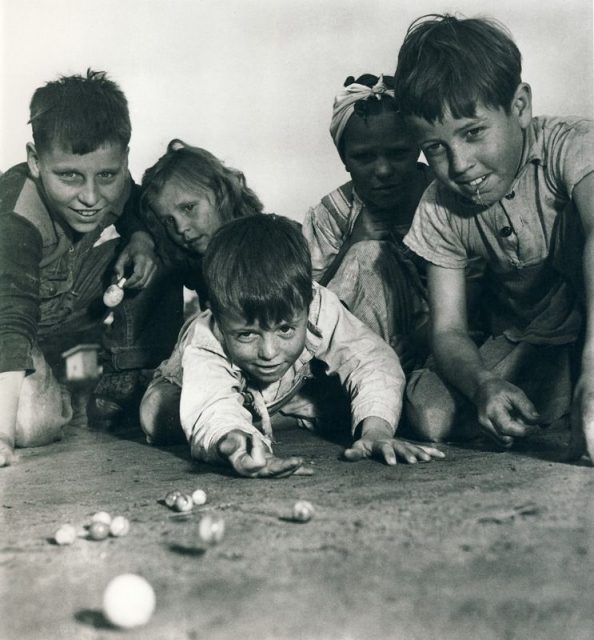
point(53, 305)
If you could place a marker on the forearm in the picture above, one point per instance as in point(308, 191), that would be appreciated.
point(459, 361)
point(10, 389)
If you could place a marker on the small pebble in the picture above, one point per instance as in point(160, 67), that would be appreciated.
point(101, 516)
point(183, 502)
point(211, 529)
point(303, 511)
point(171, 497)
point(66, 534)
point(98, 531)
point(120, 526)
point(199, 497)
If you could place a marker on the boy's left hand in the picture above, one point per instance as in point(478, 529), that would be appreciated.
point(140, 254)
point(376, 441)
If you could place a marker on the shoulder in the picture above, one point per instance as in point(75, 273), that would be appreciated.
point(553, 131)
point(337, 204)
point(20, 204)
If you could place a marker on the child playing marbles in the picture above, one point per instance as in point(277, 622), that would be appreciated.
point(355, 233)
point(68, 228)
point(186, 196)
point(517, 190)
point(269, 340)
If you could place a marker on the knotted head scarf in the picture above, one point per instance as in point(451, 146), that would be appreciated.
point(351, 94)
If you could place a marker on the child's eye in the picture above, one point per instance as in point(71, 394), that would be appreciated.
point(433, 149)
point(189, 207)
point(245, 336)
point(68, 176)
point(170, 221)
point(286, 330)
point(363, 158)
point(475, 132)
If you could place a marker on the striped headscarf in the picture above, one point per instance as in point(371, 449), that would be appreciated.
point(344, 104)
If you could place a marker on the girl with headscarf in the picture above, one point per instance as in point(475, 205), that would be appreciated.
point(355, 233)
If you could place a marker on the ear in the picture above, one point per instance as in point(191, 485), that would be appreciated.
point(33, 160)
point(521, 105)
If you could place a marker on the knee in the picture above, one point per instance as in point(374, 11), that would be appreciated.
point(429, 423)
point(42, 414)
point(429, 408)
point(159, 413)
point(35, 431)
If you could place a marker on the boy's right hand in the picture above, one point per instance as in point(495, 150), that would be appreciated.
point(249, 457)
point(7, 455)
point(504, 411)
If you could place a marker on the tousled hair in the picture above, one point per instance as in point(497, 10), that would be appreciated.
point(197, 168)
point(80, 113)
point(453, 64)
point(259, 268)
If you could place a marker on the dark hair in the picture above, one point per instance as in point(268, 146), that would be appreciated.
point(447, 63)
point(80, 113)
point(259, 267)
point(195, 167)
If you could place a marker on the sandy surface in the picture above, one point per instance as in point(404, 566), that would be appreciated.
point(481, 545)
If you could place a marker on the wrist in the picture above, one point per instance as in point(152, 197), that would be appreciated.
point(142, 238)
point(375, 428)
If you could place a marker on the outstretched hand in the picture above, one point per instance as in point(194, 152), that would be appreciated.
point(388, 450)
point(505, 412)
point(250, 458)
point(377, 441)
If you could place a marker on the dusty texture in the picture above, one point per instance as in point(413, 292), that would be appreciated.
point(481, 545)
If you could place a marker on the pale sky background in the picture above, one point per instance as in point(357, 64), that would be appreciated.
point(253, 80)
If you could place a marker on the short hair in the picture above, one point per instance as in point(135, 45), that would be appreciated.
point(197, 168)
point(447, 63)
point(80, 113)
point(259, 267)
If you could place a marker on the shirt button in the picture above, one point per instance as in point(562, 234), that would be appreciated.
point(511, 195)
point(505, 232)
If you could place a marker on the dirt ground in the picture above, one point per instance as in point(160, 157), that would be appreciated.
point(483, 545)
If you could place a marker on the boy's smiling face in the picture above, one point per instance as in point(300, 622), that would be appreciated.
point(81, 188)
point(264, 353)
point(477, 157)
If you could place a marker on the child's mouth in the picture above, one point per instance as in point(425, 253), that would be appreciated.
point(473, 188)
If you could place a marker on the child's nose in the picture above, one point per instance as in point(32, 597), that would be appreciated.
point(181, 224)
point(89, 195)
point(383, 167)
point(267, 347)
point(460, 159)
